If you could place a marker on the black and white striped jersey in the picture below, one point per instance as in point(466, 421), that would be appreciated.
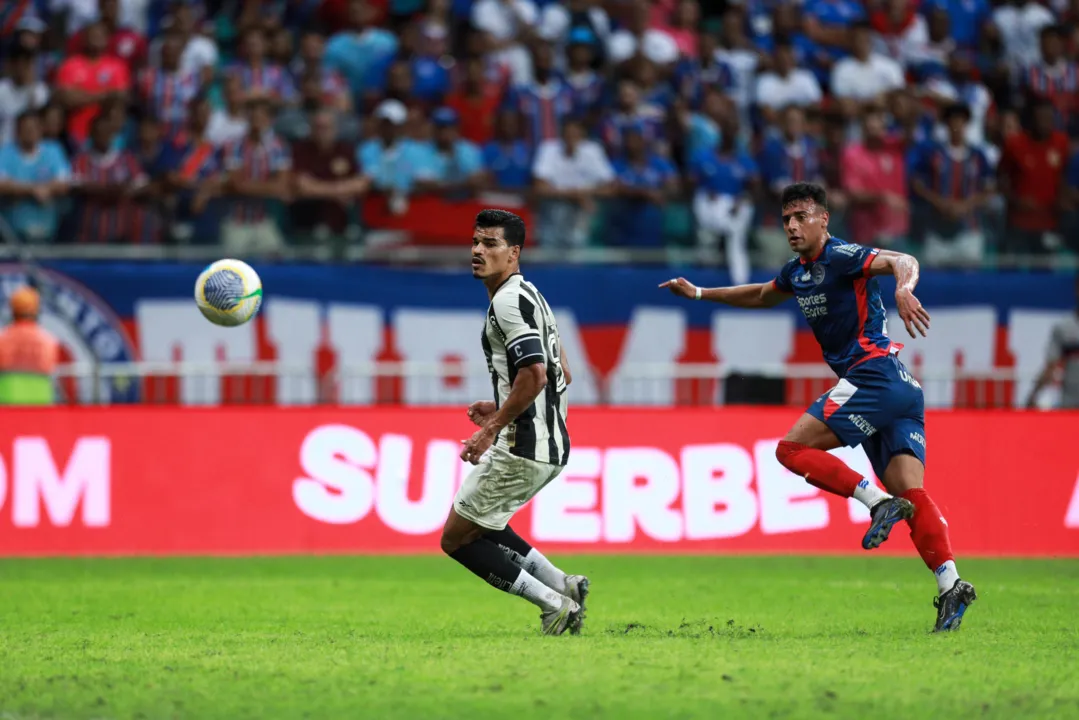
point(521, 330)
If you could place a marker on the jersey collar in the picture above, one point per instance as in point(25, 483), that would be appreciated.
point(817, 256)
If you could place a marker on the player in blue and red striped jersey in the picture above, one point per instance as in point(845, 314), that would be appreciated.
point(168, 90)
point(877, 403)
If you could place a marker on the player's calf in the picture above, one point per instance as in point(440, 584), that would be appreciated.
point(528, 558)
point(827, 472)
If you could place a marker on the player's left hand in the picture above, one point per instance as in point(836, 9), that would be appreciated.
point(477, 445)
point(911, 312)
point(479, 411)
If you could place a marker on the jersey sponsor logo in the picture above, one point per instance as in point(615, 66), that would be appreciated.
point(83, 323)
point(806, 277)
point(908, 378)
point(862, 424)
point(814, 305)
point(918, 438)
point(848, 249)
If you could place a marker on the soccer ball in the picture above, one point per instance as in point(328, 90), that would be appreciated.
point(228, 292)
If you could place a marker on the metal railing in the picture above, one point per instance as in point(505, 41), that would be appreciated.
point(454, 383)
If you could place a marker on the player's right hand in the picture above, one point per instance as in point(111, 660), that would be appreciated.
point(480, 410)
point(681, 287)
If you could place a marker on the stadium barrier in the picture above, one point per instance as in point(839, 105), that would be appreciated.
point(167, 480)
point(658, 384)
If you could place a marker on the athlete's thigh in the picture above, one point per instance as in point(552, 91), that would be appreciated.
point(811, 431)
point(499, 486)
point(900, 459)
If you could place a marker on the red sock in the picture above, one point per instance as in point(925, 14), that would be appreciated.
point(928, 530)
point(819, 468)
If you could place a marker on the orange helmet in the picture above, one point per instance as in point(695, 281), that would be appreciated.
point(25, 302)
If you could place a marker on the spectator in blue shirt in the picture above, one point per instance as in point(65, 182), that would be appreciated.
point(727, 181)
point(968, 19)
point(643, 182)
point(508, 158)
point(361, 48)
point(953, 181)
point(391, 160)
point(789, 157)
point(586, 85)
point(451, 167)
point(34, 175)
point(630, 111)
point(827, 24)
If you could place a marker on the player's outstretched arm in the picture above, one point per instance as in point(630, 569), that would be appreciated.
point(756, 295)
point(905, 269)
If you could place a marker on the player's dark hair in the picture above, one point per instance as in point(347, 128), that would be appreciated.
point(804, 191)
point(513, 227)
point(956, 110)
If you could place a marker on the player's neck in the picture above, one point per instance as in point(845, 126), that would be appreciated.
point(814, 252)
point(496, 281)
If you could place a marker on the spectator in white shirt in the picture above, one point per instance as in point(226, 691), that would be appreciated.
point(638, 38)
point(570, 174)
point(509, 24)
point(864, 77)
point(787, 85)
point(19, 92)
point(229, 123)
point(1020, 23)
point(737, 52)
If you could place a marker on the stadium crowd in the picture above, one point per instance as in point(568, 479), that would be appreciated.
point(943, 125)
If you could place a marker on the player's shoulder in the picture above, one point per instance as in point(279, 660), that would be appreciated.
point(508, 293)
point(836, 247)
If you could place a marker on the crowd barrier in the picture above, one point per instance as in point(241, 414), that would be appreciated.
point(168, 480)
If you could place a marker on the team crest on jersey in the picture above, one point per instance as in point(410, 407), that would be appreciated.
point(817, 273)
point(85, 325)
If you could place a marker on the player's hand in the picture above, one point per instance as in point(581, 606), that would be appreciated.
point(480, 410)
point(911, 312)
point(477, 445)
point(681, 287)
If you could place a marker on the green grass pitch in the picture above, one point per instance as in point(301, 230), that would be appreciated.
point(419, 637)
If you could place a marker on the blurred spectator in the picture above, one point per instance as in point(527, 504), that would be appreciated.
point(692, 76)
point(54, 126)
point(475, 102)
point(153, 154)
point(29, 37)
point(1019, 24)
point(1031, 171)
point(390, 159)
point(741, 59)
point(702, 129)
point(790, 156)
point(124, 43)
point(84, 80)
point(396, 84)
point(200, 53)
point(827, 25)
point(509, 25)
point(901, 32)
point(953, 180)
point(684, 27)
point(19, 92)
point(644, 182)
point(638, 38)
point(962, 86)
point(326, 179)
point(930, 58)
point(586, 85)
point(430, 77)
point(33, 176)
point(968, 20)
point(230, 122)
point(167, 91)
point(786, 85)
point(631, 112)
point(280, 51)
point(356, 51)
point(507, 157)
point(193, 169)
point(1062, 355)
point(1054, 77)
point(452, 167)
point(910, 122)
point(258, 76)
point(875, 179)
point(545, 102)
point(257, 172)
point(727, 180)
point(559, 21)
point(571, 173)
point(864, 76)
point(295, 123)
point(105, 181)
point(332, 86)
point(28, 354)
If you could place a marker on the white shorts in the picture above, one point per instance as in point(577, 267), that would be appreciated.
point(499, 486)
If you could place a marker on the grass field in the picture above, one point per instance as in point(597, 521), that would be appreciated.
point(421, 638)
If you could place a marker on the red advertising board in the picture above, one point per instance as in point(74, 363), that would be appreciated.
point(146, 480)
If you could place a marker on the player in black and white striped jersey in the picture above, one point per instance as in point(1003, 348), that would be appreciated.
point(523, 442)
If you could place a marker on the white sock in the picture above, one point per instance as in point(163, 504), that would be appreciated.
point(946, 576)
point(536, 592)
point(868, 494)
point(542, 569)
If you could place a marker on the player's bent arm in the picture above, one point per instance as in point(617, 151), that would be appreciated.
point(904, 267)
point(756, 295)
point(529, 383)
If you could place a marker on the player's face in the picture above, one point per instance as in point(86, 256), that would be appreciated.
point(491, 255)
point(805, 223)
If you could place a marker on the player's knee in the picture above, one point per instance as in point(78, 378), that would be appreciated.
point(786, 451)
point(449, 543)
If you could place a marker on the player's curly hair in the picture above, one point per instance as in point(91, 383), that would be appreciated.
point(805, 191)
point(513, 227)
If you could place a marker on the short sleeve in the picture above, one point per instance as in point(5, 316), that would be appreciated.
point(600, 166)
point(546, 159)
point(782, 281)
point(851, 260)
point(61, 169)
point(514, 314)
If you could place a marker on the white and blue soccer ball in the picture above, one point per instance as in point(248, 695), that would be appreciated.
point(228, 292)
